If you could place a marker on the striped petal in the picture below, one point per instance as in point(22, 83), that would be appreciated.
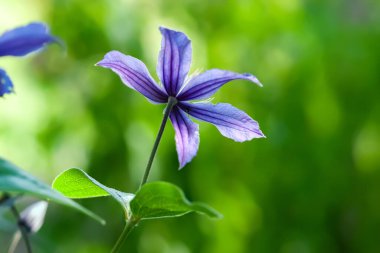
point(206, 84)
point(186, 136)
point(230, 121)
point(174, 60)
point(134, 74)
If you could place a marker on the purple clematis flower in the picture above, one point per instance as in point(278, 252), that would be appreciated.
point(19, 42)
point(172, 69)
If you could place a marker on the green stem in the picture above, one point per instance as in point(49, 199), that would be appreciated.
point(23, 230)
point(4, 198)
point(129, 226)
point(132, 222)
point(171, 102)
point(7, 200)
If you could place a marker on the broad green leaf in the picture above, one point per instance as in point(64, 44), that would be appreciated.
point(77, 184)
point(15, 180)
point(161, 199)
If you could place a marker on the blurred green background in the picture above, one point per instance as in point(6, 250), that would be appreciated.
point(312, 186)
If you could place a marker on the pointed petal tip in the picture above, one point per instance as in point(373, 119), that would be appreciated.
point(181, 35)
point(163, 29)
point(134, 74)
point(178, 33)
point(53, 39)
point(247, 138)
point(256, 135)
point(59, 42)
point(230, 121)
point(253, 79)
point(182, 164)
point(207, 83)
point(99, 64)
point(260, 136)
point(111, 55)
point(259, 83)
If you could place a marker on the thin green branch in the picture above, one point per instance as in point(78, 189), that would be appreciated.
point(172, 101)
point(23, 229)
point(129, 226)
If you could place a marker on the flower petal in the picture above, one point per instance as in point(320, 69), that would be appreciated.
point(230, 121)
point(174, 60)
point(34, 215)
point(134, 74)
point(206, 84)
point(186, 136)
point(6, 85)
point(25, 39)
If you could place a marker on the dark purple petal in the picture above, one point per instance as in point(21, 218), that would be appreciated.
point(25, 39)
point(174, 60)
point(134, 74)
point(6, 85)
point(206, 84)
point(230, 121)
point(186, 136)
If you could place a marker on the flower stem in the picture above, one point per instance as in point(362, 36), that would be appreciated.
point(132, 221)
point(23, 230)
point(171, 102)
point(129, 226)
point(4, 198)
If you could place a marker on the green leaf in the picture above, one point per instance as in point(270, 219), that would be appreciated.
point(15, 180)
point(75, 183)
point(161, 200)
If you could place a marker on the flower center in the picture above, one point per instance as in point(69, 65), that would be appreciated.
point(172, 100)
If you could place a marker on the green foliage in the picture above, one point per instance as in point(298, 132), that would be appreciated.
point(162, 200)
point(77, 184)
point(15, 180)
point(153, 200)
point(311, 186)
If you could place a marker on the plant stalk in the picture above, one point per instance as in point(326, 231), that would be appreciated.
point(4, 198)
point(23, 230)
point(131, 221)
point(171, 102)
point(129, 226)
